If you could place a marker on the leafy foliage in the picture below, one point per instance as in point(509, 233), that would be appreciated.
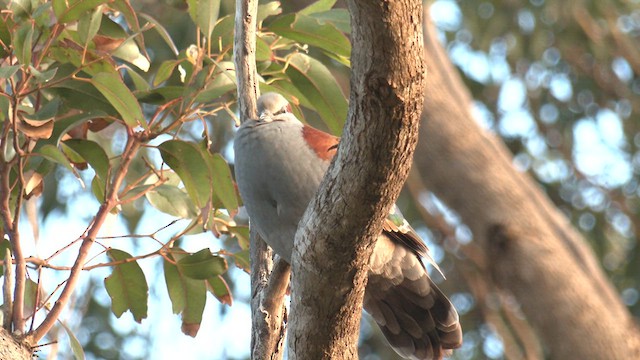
point(99, 92)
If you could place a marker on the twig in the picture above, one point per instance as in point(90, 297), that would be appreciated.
point(111, 200)
point(7, 291)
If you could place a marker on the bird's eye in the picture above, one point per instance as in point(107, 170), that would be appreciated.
point(284, 110)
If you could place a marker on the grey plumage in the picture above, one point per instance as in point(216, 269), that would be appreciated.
point(279, 163)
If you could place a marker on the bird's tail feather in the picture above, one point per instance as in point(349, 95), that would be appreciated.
point(414, 315)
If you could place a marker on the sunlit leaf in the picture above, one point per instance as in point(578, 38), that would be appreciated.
point(188, 296)
point(127, 287)
point(47, 112)
point(4, 246)
point(23, 43)
point(204, 13)
point(187, 161)
point(338, 17)
point(44, 76)
point(309, 30)
point(119, 95)
point(220, 289)
point(269, 9)
point(242, 234)
point(162, 31)
point(21, 8)
point(89, 24)
point(320, 88)
point(173, 201)
point(223, 186)
point(8, 71)
point(93, 154)
point(71, 10)
point(223, 82)
point(54, 154)
point(75, 345)
point(242, 261)
point(318, 6)
point(164, 71)
point(139, 83)
point(202, 265)
point(5, 37)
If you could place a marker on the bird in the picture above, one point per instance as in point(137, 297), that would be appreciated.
point(279, 164)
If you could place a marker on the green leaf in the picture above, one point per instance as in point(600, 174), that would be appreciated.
point(89, 24)
point(5, 37)
point(76, 347)
point(309, 30)
point(23, 43)
point(42, 77)
point(129, 51)
point(242, 261)
point(127, 287)
point(320, 88)
point(340, 18)
point(4, 246)
point(139, 82)
point(222, 35)
point(21, 8)
point(162, 31)
point(161, 95)
point(188, 296)
point(98, 188)
point(187, 161)
point(8, 71)
point(93, 154)
point(222, 182)
point(82, 96)
point(119, 95)
point(47, 112)
point(219, 288)
point(173, 201)
point(222, 82)
point(242, 234)
point(202, 265)
point(164, 71)
point(204, 13)
point(269, 9)
point(318, 6)
point(54, 154)
point(62, 125)
point(71, 10)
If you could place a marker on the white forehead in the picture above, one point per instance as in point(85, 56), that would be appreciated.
point(272, 102)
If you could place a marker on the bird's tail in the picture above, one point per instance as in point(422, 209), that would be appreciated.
point(417, 319)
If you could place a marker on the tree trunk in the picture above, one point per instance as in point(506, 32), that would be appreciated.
point(336, 234)
point(10, 348)
point(531, 249)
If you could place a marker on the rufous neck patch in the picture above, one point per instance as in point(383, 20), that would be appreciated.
point(323, 144)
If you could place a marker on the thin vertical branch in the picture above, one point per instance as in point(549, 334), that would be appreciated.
point(267, 292)
point(244, 56)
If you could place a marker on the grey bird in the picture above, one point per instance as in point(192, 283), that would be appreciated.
point(279, 163)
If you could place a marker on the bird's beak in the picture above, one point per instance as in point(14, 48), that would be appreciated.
point(266, 116)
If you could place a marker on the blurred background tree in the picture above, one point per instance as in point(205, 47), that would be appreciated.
point(556, 81)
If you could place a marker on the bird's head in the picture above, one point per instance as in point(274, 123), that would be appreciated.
point(271, 105)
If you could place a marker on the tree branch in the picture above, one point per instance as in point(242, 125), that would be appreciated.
point(531, 249)
point(267, 299)
point(111, 200)
point(336, 235)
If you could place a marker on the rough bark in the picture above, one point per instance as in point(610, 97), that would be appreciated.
point(531, 249)
point(11, 348)
point(335, 236)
